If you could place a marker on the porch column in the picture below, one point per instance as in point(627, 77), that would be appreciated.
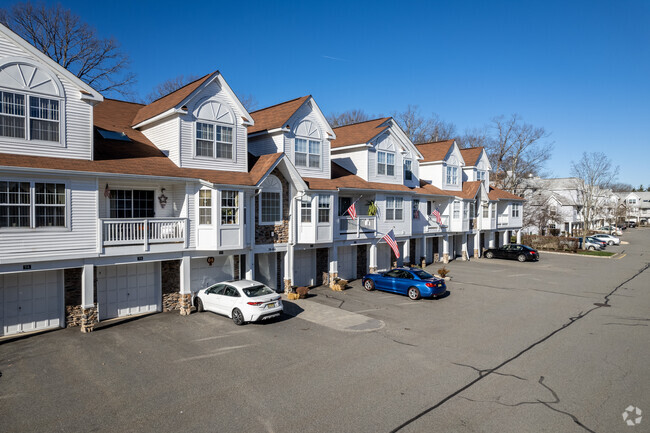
point(491, 240)
point(477, 245)
point(372, 258)
point(436, 256)
point(423, 250)
point(334, 264)
point(406, 257)
point(185, 299)
point(89, 314)
point(464, 247)
point(288, 269)
point(570, 229)
point(506, 237)
point(519, 236)
point(445, 248)
point(250, 265)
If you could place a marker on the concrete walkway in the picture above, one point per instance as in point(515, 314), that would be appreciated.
point(334, 318)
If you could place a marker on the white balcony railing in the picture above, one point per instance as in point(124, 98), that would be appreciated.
point(433, 225)
point(503, 220)
point(146, 231)
point(362, 224)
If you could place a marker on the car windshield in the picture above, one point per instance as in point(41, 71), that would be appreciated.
point(422, 274)
point(255, 291)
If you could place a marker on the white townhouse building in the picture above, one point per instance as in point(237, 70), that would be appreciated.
point(636, 206)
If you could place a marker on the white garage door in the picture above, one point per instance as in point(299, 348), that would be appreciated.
point(304, 268)
point(347, 263)
point(124, 290)
point(203, 275)
point(383, 257)
point(31, 301)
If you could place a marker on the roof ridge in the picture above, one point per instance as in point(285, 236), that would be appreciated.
point(126, 102)
point(439, 141)
point(279, 103)
point(364, 121)
point(180, 88)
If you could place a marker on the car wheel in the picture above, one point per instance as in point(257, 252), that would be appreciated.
point(237, 317)
point(521, 258)
point(369, 285)
point(591, 248)
point(610, 243)
point(414, 293)
point(489, 255)
point(199, 305)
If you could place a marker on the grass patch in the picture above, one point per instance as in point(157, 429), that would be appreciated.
point(596, 253)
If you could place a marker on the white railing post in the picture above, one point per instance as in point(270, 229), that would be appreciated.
point(146, 234)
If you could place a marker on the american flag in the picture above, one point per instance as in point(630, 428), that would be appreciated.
point(390, 240)
point(436, 213)
point(352, 211)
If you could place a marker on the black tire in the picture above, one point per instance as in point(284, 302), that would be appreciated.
point(610, 243)
point(237, 317)
point(369, 285)
point(413, 293)
point(489, 255)
point(521, 258)
point(198, 304)
point(591, 248)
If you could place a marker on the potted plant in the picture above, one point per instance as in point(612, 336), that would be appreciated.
point(372, 208)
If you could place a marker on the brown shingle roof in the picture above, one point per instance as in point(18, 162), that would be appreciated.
point(470, 188)
point(499, 194)
point(434, 151)
point(275, 116)
point(358, 133)
point(471, 155)
point(169, 101)
point(137, 157)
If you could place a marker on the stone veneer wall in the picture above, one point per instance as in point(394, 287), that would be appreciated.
point(237, 267)
point(323, 265)
point(362, 260)
point(72, 285)
point(170, 271)
point(263, 232)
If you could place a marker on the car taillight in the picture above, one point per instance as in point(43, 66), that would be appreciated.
point(430, 285)
point(255, 303)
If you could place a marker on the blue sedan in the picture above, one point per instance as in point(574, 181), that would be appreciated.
point(413, 282)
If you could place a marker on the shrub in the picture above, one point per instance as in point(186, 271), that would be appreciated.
point(443, 272)
point(551, 243)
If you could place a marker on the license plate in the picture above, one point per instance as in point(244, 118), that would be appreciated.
point(271, 305)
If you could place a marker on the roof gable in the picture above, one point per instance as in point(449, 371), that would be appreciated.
point(359, 133)
point(276, 116)
point(435, 151)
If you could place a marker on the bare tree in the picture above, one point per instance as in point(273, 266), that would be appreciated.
point(517, 150)
point(475, 137)
point(60, 34)
point(347, 118)
point(621, 187)
point(169, 86)
point(594, 173)
point(249, 102)
point(421, 129)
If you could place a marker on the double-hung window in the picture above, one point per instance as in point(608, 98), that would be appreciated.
point(515, 210)
point(386, 163)
point(486, 210)
point(394, 208)
point(480, 175)
point(205, 207)
point(408, 174)
point(229, 207)
point(214, 141)
point(32, 204)
point(305, 210)
point(465, 210)
point(456, 210)
point(43, 117)
point(132, 204)
point(323, 208)
point(452, 175)
point(307, 153)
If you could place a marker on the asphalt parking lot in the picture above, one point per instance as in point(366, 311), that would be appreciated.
point(557, 345)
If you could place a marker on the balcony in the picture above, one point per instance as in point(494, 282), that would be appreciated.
point(362, 226)
point(503, 221)
point(145, 232)
point(434, 227)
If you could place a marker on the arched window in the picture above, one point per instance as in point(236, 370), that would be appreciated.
point(307, 147)
point(31, 101)
point(270, 201)
point(214, 131)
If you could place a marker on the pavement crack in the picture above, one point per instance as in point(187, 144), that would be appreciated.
point(571, 321)
point(405, 344)
point(342, 301)
point(483, 372)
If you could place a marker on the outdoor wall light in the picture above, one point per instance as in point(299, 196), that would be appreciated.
point(210, 260)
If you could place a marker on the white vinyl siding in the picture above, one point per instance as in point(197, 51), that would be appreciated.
point(165, 135)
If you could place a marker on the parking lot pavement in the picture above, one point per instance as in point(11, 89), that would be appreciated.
point(557, 345)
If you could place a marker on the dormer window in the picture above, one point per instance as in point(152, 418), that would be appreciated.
point(452, 175)
point(386, 163)
point(42, 117)
point(408, 174)
point(307, 153)
point(213, 141)
point(480, 175)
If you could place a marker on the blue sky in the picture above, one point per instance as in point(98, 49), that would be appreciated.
point(580, 69)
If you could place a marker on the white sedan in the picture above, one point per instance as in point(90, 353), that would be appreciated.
point(611, 240)
point(243, 301)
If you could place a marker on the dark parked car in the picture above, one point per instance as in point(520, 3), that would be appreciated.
point(413, 282)
point(512, 251)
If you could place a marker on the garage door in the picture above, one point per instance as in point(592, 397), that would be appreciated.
point(304, 268)
point(266, 269)
point(204, 275)
point(31, 301)
point(124, 290)
point(348, 263)
point(383, 257)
